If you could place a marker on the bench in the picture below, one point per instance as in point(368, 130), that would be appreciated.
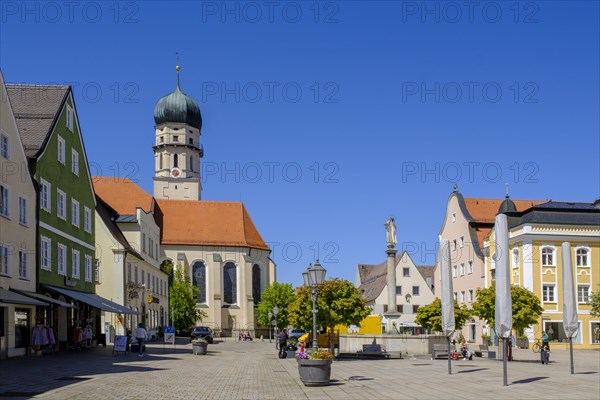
point(485, 352)
point(440, 350)
point(373, 351)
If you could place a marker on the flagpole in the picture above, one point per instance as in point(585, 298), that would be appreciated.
point(449, 362)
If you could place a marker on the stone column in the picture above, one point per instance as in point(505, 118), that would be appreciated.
point(392, 316)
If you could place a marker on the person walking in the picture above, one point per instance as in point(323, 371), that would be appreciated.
point(282, 338)
point(141, 336)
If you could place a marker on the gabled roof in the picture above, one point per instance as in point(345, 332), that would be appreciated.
point(122, 194)
point(485, 210)
point(199, 222)
point(108, 216)
point(36, 108)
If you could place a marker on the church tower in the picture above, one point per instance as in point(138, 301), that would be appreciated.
point(177, 150)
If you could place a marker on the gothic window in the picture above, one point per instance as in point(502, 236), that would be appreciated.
point(230, 283)
point(199, 280)
point(256, 283)
point(175, 161)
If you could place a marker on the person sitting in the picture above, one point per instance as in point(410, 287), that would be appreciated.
point(465, 351)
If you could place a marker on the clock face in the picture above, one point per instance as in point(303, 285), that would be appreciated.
point(175, 173)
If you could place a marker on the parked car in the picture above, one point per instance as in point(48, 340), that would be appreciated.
point(203, 332)
point(296, 333)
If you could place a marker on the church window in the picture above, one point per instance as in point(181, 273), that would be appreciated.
point(199, 280)
point(191, 163)
point(175, 160)
point(256, 283)
point(176, 138)
point(191, 140)
point(162, 139)
point(160, 161)
point(230, 283)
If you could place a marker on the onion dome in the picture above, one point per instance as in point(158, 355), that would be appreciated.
point(179, 108)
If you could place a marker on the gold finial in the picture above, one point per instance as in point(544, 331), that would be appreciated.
point(177, 68)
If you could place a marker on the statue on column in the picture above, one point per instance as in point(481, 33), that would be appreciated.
point(390, 236)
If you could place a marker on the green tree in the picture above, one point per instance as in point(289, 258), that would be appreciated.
point(276, 294)
point(182, 296)
point(595, 303)
point(430, 316)
point(526, 307)
point(339, 302)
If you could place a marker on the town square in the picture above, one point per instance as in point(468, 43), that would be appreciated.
point(299, 199)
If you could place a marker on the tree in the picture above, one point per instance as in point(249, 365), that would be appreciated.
point(526, 307)
point(182, 296)
point(430, 316)
point(595, 303)
point(339, 302)
point(276, 294)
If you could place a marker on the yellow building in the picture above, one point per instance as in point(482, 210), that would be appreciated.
point(535, 239)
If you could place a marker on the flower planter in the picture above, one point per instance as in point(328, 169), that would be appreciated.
point(291, 353)
point(314, 372)
point(199, 348)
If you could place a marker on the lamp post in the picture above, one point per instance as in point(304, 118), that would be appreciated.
point(275, 312)
point(314, 276)
point(270, 314)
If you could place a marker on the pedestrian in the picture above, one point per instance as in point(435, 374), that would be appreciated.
point(141, 336)
point(282, 338)
point(545, 354)
point(545, 340)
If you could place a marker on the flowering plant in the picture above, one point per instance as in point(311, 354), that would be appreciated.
point(199, 341)
point(316, 355)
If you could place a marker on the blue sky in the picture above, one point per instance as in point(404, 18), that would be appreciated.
point(325, 118)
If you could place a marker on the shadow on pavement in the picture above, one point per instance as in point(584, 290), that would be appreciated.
point(466, 371)
point(529, 380)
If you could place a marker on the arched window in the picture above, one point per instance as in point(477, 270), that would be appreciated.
point(547, 256)
point(199, 280)
point(582, 257)
point(175, 160)
point(256, 283)
point(230, 283)
point(191, 163)
point(160, 161)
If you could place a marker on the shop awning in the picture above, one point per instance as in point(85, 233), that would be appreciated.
point(45, 298)
point(6, 296)
point(94, 300)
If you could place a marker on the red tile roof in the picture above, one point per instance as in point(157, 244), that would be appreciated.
point(122, 194)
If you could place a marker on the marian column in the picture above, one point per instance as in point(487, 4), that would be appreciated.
point(392, 316)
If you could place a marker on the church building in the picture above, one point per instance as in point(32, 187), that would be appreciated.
point(215, 242)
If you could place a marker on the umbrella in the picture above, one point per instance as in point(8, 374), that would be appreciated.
point(570, 324)
point(503, 312)
point(448, 323)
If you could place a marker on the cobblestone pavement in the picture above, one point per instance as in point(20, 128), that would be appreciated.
point(251, 370)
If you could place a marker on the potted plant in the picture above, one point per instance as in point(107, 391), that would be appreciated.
point(314, 368)
point(523, 342)
point(199, 346)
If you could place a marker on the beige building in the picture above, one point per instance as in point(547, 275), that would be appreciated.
point(17, 237)
point(414, 288)
point(128, 252)
point(466, 223)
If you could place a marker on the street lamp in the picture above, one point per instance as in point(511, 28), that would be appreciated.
point(314, 276)
point(275, 312)
point(270, 314)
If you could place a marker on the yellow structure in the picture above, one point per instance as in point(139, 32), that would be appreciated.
point(535, 239)
point(369, 326)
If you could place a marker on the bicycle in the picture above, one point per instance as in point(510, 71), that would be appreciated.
point(536, 347)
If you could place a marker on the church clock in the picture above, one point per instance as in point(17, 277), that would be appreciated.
point(175, 172)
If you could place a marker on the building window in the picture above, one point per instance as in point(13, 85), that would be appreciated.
point(453, 217)
point(62, 259)
point(415, 290)
point(199, 280)
point(150, 247)
point(75, 265)
point(582, 257)
point(515, 257)
point(454, 271)
point(88, 268)
point(4, 201)
point(230, 283)
point(4, 260)
point(472, 330)
point(61, 201)
point(462, 268)
point(61, 150)
point(148, 282)
point(97, 272)
point(75, 162)
point(70, 118)
point(4, 146)
point(462, 242)
point(548, 294)
point(128, 272)
point(470, 269)
point(143, 242)
point(462, 296)
point(583, 293)
point(595, 332)
point(176, 138)
point(398, 290)
point(471, 295)
point(162, 138)
point(136, 274)
point(23, 210)
point(75, 212)
point(191, 140)
point(256, 295)
point(45, 253)
point(156, 251)
point(87, 219)
point(454, 242)
point(45, 196)
point(406, 272)
point(21, 328)
point(415, 308)
point(547, 257)
point(175, 160)
point(455, 296)
point(191, 163)
point(153, 284)
point(23, 265)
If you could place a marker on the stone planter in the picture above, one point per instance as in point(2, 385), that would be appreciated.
point(199, 348)
point(314, 372)
point(291, 353)
point(523, 343)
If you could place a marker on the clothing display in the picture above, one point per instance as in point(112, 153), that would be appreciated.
point(43, 336)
